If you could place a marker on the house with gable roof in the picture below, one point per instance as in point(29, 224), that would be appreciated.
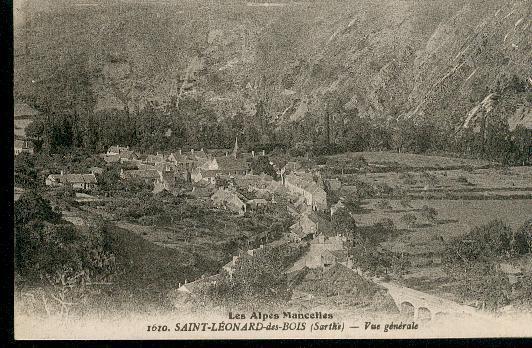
point(226, 199)
point(75, 181)
point(23, 146)
point(116, 150)
point(180, 160)
point(199, 285)
point(212, 167)
point(155, 159)
point(314, 195)
point(120, 154)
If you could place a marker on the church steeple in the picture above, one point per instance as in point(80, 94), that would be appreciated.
point(235, 149)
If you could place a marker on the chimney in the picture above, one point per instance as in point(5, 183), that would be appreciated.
point(180, 152)
point(201, 149)
point(127, 147)
point(263, 153)
point(191, 150)
point(225, 153)
point(261, 246)
point(179, 285)
point(62, 173)
point(157, 153)
point(252, 153)
point(185, 281)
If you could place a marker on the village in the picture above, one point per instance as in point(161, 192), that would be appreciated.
point(347, 218)
point(225, 180)
point(231, 185)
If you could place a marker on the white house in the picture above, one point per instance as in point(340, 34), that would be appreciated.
point(76, 181)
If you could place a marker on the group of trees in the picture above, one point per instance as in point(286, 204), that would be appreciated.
point(493, 240)
point(47, 247)
point(193, 125)
point(196, 124)
point(257, 280)
point(473, 263)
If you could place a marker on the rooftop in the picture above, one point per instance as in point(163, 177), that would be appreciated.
point(22, 110)
point(141, 174)
point(230, 163)
point(74, 178)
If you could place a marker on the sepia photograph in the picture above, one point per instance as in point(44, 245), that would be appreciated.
point(272, 169)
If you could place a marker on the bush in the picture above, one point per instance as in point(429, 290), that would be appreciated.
point(387, 224)
point(463, 180)
point(409, 219)
point(408, 179)
point(431, 179)
point(383, 189)
point(300, 149)
point(25, 173)
point(522, 239)
point(321, 160)
point(352, 203)
point(484, 242)
point(406, 201)
point(65, 192)
point(429, 213)
point(384, 205)
point(47, 246)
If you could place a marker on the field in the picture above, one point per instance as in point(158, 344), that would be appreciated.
point(470, 194)
point(410, 160)
point(145, 265)
point(510, 181)
point(462, 194)
point(455, 218)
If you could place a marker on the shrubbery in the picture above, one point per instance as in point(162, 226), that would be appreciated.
point(495, 239)
point(429, 213)
point(47, 246)
point(256, 280)
point(409, 219)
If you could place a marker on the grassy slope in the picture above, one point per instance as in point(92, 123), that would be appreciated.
point(145, 267)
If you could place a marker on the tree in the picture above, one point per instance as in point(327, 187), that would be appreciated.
point(484, 242)
point(45, 244)
point(384, 205)
point(344, 223)
point(409, 219)
point(36, 129)
point(522, 239)
point(387, 224)
point(406, 201)
point(25, 173)
point(31, 206)
point(261, 164)
point(256, 280)
point(429, 213)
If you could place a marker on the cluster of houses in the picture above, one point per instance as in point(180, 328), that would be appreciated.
point(306, 200)
point(197, 286)
point(231, 185)
point(164, 170)
point(326, 249)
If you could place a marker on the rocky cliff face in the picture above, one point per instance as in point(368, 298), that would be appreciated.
point(437, 60)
